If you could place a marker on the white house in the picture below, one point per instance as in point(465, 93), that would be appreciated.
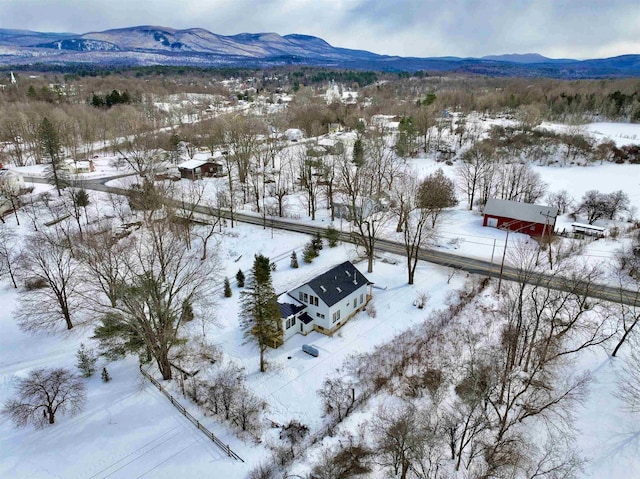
point(11, 180)
point(326, 302)
point(78, 167)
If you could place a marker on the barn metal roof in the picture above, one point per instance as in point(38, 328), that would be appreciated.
point(520, 211)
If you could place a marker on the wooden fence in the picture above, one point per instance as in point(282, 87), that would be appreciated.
point(225, 447)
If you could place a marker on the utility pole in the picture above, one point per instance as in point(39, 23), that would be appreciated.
point(504, 253)
point(548, 231)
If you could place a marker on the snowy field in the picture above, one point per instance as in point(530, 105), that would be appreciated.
point(129, 430)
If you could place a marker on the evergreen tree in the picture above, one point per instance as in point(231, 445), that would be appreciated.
point(332, 236)
point(105, 375)
point(97, 101)
point(81, 200)
point(227, 288)
point(49, 140)
point(294, 260)
point(358, 152)
point(317, 243)
point(260, 316)
point(240, 278)
point(309, 253)
point(87, 359)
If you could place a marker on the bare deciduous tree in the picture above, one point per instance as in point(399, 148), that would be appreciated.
point(9, 254)
point(43, 394)
point(48, 265)
point(162, 283)
point(477, 163)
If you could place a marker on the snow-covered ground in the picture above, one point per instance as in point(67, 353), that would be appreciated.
point(129, 429)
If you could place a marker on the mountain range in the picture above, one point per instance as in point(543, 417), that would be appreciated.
point(153, 45)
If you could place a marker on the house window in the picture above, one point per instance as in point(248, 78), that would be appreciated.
point(361, 298)
point(320, 315)
point(336, 316)
point(288, 323)
point(315, 301)
point(293, 321)
point(300, 296)
point(306, 298)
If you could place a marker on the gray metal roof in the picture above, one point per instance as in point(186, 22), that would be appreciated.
point(305, 318)
point(520, 211)
point(288, 309)
point(338, 283)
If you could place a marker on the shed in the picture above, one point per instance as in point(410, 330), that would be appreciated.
point(589, 230)
point(527, 218)
point(197, 169)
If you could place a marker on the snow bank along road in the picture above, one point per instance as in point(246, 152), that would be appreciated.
point(471, 265)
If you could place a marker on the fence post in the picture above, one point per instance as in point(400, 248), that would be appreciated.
point(190, 417)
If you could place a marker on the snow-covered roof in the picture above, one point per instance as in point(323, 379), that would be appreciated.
point(587, 227)
point(191, 164)
point(7, 173)
point(520, 211)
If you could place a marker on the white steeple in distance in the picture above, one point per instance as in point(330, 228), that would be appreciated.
point(13, 79)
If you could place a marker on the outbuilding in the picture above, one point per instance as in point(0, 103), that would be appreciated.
point(527, 218)
point(197, 169)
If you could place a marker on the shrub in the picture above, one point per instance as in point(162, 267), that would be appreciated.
point(240, 278)
point(332, 235)
point(87, 359)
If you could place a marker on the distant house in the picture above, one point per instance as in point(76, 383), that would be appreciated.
point(326, 302)
point(198, 169)
point(78, 167)
point(11, 180)
point(527, 218)
point(294, 134)
point(11, 185)
point(363, 208)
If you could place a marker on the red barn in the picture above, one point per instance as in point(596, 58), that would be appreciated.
point(534, 220)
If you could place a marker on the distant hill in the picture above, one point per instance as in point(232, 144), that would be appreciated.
point(525, 58)
point(156, 45)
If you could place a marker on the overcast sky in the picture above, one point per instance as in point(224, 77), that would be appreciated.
point(554, 28)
